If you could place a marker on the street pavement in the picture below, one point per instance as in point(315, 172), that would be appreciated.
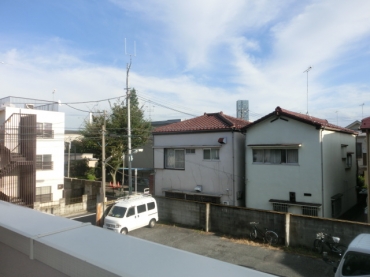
point(260, 257)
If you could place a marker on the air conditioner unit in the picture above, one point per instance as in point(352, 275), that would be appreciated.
point(226, 203)
point(198, 188)
point(29, 106)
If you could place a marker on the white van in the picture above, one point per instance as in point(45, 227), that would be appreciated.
point(131, 213)
point(356, 260)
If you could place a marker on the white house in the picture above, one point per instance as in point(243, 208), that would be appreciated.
point(361, 151)
point(201, 159)
point(300, 164)
point(32, 151)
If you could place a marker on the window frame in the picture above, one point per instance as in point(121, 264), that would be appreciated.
point(273, 157)
point(44, 130)
point(44, 163)
point(176, 163)
point(214, 154)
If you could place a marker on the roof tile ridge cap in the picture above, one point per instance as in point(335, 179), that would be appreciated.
point(222, 116)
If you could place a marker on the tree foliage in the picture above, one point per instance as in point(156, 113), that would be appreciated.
point(116, 138)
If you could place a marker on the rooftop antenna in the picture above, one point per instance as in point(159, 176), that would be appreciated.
point(150, 109)
point(308, 69)
point(337, 117)
point(362, 116)
point(53, 94)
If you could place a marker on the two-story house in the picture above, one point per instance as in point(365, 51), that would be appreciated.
point(201, 159)
point(300, 164)
point(31, 151)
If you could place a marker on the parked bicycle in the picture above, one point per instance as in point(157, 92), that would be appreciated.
point(268, 236)
point(332, 243)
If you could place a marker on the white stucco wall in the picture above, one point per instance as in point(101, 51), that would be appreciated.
point(320, 180)
point(338, 178)
point(54, 146)
point(275, 181)
point(224, 177)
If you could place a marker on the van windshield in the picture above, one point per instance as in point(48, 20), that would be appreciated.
point(117, 212)
point(356, 264)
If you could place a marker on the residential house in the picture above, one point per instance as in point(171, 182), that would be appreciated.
point(201, 159)
point(31, 151)
point(361, 151)
point(300, 164)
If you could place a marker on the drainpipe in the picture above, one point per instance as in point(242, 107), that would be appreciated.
point(234, 193)
point(322, 173)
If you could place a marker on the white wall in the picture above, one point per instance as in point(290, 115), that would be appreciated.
point(269, 181)
point(216, 177)
point(337, 177)
point(54, 146)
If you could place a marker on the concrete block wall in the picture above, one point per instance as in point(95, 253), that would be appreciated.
point(182, 212)
point(236, 220)
point(303, 229)
point(293, 230)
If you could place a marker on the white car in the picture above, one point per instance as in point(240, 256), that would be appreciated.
point(131, 213)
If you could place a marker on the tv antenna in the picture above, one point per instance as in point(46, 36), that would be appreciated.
point(306, 71)
point(362, 115)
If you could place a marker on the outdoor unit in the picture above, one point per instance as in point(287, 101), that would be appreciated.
point(226, 203)
point(29, 106)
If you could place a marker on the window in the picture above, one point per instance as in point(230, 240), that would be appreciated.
point(312, 211)
point(364, 159)
point(356, 264)
point(349, 161)
point(130, 212)
point(359, 150)
point(43, 194)
point(44, 130)
point(118, 212)
point(275, 156)
point(43, 162)
point(141, 209)
point(280, 207)
point(174, 158)
point(151, 206)
point(211, 154)
point(190, 151)
point(336, 205)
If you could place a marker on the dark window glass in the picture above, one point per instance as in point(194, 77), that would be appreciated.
point(151, 206)
point(141, 208)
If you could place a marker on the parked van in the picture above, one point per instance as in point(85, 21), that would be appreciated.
point(356, 260)
point(131, 213)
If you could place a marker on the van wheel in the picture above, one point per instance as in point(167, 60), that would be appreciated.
point(124, 231)
point(152, 223)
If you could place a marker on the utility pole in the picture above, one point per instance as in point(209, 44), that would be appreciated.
point(103, 166)
point(69, 156)
point(308, 69)
point(128, 96)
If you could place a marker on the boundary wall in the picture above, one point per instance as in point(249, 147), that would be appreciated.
point(293, 230)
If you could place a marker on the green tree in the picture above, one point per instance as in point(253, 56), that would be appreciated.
point(116, 133)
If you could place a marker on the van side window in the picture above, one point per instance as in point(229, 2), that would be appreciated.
point(151, 206)
point(141, 208)
point(131, 212)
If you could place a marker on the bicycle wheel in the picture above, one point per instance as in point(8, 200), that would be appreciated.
point(340, 249)
point(253, 234)
point(271, 237)
point(317, 246)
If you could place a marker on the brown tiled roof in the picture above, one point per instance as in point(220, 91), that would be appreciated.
point(207, 122)
point(318, 122)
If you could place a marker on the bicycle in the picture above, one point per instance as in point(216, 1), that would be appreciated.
point(331, 242)
point(267, 235)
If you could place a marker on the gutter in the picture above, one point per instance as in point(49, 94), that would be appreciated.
point(322, 172)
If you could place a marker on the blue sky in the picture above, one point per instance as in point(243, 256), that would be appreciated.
point(191, 56)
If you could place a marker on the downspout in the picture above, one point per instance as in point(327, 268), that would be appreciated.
point(322, 172)
point(234, 193)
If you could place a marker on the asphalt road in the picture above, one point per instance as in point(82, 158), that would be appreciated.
point(264, 258)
